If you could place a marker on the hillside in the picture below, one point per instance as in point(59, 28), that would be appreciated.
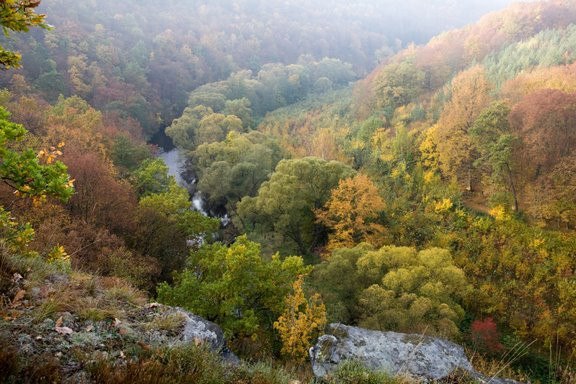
point(425, 188)
point(139, 59)
point(524, 65)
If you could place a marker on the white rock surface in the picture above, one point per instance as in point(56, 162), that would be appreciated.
point(417, 356)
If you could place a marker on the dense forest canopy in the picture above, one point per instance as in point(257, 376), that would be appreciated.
point(141, 58)
point(362, 163)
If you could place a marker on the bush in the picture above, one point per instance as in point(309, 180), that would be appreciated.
point(485, 336)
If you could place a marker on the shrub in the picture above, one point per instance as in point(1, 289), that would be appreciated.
point(485, 336)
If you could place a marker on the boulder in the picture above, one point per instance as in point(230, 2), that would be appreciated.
point(188, 328)
point(197, 328)
point(419, 357)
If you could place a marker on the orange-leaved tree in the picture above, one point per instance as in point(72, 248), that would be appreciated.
point(352, 213)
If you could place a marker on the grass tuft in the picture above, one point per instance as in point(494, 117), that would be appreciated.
point(354, 372)
point(167, 322)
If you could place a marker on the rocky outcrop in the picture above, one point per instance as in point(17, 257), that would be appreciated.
point(186, 328)
point(420, 357)
point(61, 335)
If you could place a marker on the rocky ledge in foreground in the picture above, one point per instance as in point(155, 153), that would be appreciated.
point(76, 343)
point(420, 357)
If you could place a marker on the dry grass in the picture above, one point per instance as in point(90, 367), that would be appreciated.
point(567, 374)
point(167, 322)
point(43, 368)
point(498, 368)
point(120, 291)
point(90, 297)
point(186, 365)
point(46, 310)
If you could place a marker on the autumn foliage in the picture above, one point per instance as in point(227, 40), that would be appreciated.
point(440, 190)
point(100, 197)
point(352, 213)
point(485, 335)
point(301, 322)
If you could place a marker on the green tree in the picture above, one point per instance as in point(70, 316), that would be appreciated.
point(236, 167)
point(284, 206)
point(340, 282)
point(494, 141)
point(393, 288)
point(215, 126)
point(183, 130)
point(17, 16)
point(201, 125)
point(335, 70)
point(175, 204)
point(127, 154)
point(398, 84)
point(30, 173)
point(165, 224)
point(234, 286)
point(151, 177)
point(241, 109)
point(419, 292)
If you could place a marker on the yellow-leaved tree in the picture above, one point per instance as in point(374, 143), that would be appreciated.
point(302, 321)
point(470, 94)
point(352, 213)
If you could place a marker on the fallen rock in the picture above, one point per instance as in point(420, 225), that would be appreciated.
point(419, 357)
point(201, 331)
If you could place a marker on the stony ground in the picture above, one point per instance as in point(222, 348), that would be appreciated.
point(73, 321)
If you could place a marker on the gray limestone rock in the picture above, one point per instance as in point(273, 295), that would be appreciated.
point(197, 328)
point(192, 329)
point(420, 357)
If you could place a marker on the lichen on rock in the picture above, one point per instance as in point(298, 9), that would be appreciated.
point(420, 357)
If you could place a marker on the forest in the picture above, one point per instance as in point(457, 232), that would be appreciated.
point(398, 167)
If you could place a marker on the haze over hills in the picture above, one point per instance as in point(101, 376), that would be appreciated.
point(145, 56)
point(425, 188)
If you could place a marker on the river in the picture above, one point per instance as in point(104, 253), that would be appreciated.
point(175, 163)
